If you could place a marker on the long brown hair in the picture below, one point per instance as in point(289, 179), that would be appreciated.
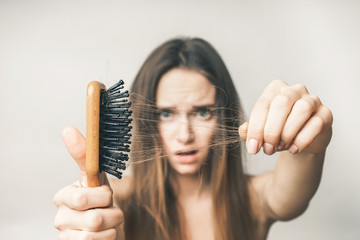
point(151, 211)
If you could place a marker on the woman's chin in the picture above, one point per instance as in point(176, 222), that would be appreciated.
point(187, 170)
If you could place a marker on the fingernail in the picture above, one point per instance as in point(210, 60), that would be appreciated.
point(268, 148)
point(252, 146)
point(293, 149)
point(281, 146)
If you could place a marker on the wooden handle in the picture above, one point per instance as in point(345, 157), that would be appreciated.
point(92, 133)
point(243, 130)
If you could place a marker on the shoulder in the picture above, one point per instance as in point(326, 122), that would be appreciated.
point(122, 188)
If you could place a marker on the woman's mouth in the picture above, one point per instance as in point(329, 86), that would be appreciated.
point(187, 157)
point(187, 153)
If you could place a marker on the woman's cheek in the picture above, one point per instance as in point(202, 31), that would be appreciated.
point(207, 131)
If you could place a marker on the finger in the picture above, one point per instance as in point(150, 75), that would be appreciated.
point(76, 145)
point(109, 234)
point(256, 126)
point(313, 128)
point(243, 130)
point(279, 110)
point(93, 220)
point(83, 198)
point(255, 133)
point(300, 113)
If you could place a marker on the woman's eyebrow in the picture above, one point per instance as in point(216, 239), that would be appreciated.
point(206, 106)
point(163, 108)
point(194, 108)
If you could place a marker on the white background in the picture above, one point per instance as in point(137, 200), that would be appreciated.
point(50, 50)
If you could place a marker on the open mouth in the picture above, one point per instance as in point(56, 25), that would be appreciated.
point(187, 153)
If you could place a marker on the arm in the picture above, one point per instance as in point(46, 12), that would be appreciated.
point(290, 187)
point(290, 120)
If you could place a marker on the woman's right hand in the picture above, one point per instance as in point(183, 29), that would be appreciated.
point(83, 212)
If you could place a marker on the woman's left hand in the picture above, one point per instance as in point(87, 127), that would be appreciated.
point(288, 118)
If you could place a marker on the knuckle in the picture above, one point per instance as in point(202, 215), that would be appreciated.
point(96, 220)
point(255, 132)
point(301, 87)
point(300, 142)
point(263, 102)
point(315, 98)
point(286, 138)
point(318, 122)
point(107, 194)
point(283, 100)
point(57, 222)
point(275, 85)
point(119, 215)
point(331, 116)
point(56, 200)
point(106, 188)
point(278, 82)
point(305, 106)
point(270, 136)
point(58, 197)
point(328, 114)
point(80, 200)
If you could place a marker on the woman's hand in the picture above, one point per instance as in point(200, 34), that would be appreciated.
point(288, 117)
point(83, 212)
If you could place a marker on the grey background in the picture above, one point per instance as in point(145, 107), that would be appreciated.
point(50, 50)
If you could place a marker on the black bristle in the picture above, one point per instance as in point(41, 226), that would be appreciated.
point(119, 84)
point(114, 130)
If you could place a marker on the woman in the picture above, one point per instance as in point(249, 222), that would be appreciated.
point(188, 180)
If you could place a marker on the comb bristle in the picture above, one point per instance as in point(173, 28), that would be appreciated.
point(114, 143)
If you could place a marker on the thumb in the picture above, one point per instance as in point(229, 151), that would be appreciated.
point(76, 145)
point(243, 130)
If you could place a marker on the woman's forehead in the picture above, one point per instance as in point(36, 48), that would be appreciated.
point(184, 87)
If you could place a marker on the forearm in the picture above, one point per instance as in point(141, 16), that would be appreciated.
point(294, 182)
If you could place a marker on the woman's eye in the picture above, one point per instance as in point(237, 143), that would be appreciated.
point(163, 115)
point(204, 113)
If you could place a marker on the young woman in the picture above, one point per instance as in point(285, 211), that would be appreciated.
point(187, 178)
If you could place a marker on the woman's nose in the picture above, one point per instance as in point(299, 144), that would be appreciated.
point(184, 132)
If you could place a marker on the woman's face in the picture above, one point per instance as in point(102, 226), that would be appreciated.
point(185, 100)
